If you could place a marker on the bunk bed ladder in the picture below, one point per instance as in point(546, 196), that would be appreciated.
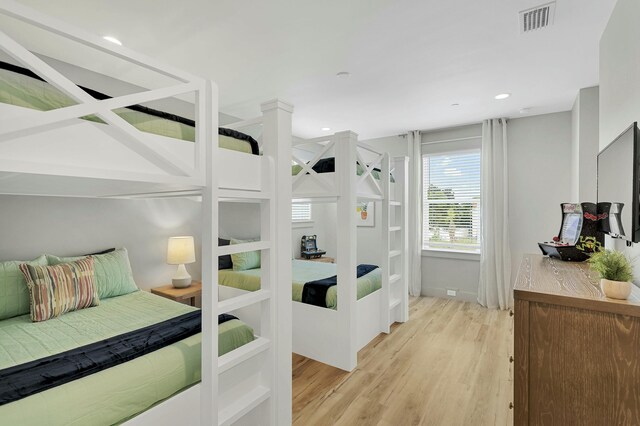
point(395, 242)
point(268, 397)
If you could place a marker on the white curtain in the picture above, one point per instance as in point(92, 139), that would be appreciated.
point(494, 290)
point(415, 213)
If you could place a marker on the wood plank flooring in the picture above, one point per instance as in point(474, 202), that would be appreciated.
point(449, 365)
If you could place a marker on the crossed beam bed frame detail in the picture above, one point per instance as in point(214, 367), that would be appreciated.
point(215, 400)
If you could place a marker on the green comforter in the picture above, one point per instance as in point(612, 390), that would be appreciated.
point(303, 272)
point(120, 392)
point(24, 91)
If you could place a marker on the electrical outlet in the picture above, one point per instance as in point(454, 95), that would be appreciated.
point(451, 292)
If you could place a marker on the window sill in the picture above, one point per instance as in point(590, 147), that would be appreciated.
point(302, 224)
point(451, 254)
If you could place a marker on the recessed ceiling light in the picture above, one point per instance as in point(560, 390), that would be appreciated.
point(326, 129)
point(503, 96)
point(343, 74)
point(113, 40)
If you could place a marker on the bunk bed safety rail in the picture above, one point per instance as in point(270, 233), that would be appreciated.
point(117, 128)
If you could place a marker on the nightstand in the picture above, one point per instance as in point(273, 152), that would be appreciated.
point(323, 259)
point(190, 295)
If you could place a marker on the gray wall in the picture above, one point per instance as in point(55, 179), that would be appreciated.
point(584, 145)
point(620, 86)
point(539, 180)
point(30, 226)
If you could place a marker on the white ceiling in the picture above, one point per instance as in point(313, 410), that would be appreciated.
point(409, 59)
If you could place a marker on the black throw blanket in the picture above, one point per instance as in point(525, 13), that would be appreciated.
point(315, 292)
point(36, 376)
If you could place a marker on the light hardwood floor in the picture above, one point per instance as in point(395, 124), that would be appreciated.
point(449, 365)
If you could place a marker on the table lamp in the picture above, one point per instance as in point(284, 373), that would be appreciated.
point(181, 250)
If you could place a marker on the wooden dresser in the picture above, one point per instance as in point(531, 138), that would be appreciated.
point(576, 353)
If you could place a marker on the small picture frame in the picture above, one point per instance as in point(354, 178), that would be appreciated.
point(365, 214)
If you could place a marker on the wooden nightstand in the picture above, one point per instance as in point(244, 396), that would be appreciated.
point(323, 259)
point(190, 295)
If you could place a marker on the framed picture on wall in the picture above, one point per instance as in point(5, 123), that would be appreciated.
point(365, 214)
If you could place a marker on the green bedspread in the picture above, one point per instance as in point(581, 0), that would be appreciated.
point(27, 92)
point(303, 272)
point(120, 392)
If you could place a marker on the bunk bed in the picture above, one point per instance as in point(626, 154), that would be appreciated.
point(87, 144)
point(339, 169)
point(356, 172)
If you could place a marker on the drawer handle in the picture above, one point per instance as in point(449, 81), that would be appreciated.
point(510, 313)
point(511, 359)
point(511, 406)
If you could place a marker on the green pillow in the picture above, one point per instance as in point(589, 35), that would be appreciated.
point(112, 271)
point(246, 260)
point(14, 294)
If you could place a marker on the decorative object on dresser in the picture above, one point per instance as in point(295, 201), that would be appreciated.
point(580, 233)
point(188, 295)
point(616, 273)
point(181, 250)
point(576, 352)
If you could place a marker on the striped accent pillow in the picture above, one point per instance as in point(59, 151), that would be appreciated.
point(55, 290)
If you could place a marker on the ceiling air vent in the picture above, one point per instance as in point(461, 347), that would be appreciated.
point(537, 17)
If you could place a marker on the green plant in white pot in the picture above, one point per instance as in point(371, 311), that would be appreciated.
point(616, 273)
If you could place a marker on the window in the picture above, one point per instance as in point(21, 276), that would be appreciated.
point(301, 212)
point(451, 200)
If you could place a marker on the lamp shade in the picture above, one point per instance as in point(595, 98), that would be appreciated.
point(180, 250)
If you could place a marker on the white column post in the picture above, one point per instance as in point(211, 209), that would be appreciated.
point(385, 263)
point(401, 176)
point(208, 100)
point(345, 146)
point(277, 138)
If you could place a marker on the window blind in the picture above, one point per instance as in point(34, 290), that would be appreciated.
point(301, 212)
point(451, 200)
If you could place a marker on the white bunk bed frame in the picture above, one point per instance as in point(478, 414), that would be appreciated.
point(253, 383)
point(335, 336)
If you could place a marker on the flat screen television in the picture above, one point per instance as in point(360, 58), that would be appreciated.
point(618, 174)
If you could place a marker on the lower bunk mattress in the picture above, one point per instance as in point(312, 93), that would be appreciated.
point(118, 393)
point(304, 271)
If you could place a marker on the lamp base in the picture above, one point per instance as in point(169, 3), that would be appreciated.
point(181, 279)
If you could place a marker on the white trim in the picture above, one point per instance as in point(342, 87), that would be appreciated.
point(451, 140)
point(299, 224)
point(451, 254)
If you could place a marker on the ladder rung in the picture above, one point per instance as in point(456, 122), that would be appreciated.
point(243, 353)
point(238, 194)
point(241, 406)
point(244, 247)
point(393, 303)
point(395, 277)
point(238, 302)
point(394, 253)
point(395, 228)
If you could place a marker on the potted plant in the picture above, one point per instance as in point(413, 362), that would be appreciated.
point(615, 273)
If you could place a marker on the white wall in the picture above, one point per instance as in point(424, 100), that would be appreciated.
point(539, 180)
point(620, 86)
point(30, 226)
point(584, 145)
